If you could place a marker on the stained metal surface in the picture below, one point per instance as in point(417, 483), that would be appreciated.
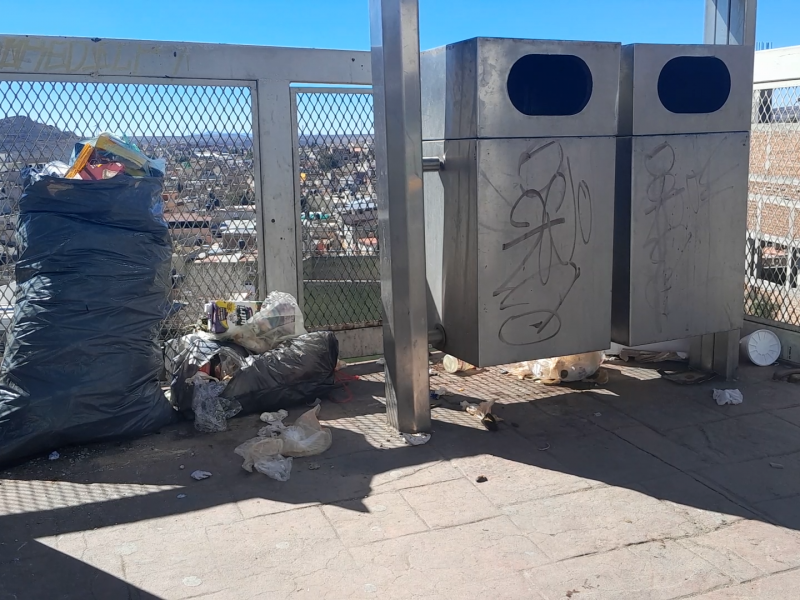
point(519, 223)
point(681, 202)
point(394, 26)
point(688, 214)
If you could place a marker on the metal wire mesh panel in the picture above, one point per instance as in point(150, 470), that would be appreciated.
point(773, 229)
point(205, 135)
point(339, 215)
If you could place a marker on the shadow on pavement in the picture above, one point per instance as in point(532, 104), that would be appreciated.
point(639, 432)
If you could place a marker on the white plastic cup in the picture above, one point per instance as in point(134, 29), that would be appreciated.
point(452, 364)
point(762, 347)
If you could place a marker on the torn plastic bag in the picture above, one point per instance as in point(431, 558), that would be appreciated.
point(82, 362)
point(264, 455)
point(306, 437)
point(297, 371)
point(211, 412)
point(272, 454)
point(194, 352)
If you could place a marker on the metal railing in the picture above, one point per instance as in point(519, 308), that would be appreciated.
point(773, 231)
point(336, 196)
point(209, 186)
point(221, 116)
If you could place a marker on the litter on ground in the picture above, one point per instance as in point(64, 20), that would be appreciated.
point(728, 397)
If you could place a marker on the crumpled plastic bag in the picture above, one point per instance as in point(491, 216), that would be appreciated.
point(280, 318)
point(728, 397)
point(192, 353)
point(271, 417)
point(271, 452)
point(306, 437)
point(264, 455)
point(277, 467)
point(574, 367)
point(211, 411)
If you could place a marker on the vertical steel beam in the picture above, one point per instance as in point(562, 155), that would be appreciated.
point(727, 22)
point(730, 22)
point(394, 27)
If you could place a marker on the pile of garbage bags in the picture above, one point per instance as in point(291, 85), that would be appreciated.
point(82, 361)
point(215, 378)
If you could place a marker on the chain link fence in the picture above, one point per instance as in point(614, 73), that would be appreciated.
point(335, 164)
point(773, 229)
point(204, 133)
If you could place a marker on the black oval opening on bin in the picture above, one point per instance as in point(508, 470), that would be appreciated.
point(694, 84)
point(549, 85)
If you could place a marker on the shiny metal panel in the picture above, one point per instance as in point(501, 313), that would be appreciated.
point(642, 111)
point(451, 224)
point(545, 230)
point(394, 27)
point(466, 90)
point(519, 243)
point(687, 204)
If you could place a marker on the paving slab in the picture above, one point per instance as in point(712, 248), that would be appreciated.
point(530, 476)
point(759, 480)
point(772, 587)
point(375, 518)
point(747, 549)
point(597, 520)
point(783, 511)
point(740, 439)
point(466, 561)
point(608, 458)
point(434, 503)
point(792, 415)
point(652, 571)
point(707, 508)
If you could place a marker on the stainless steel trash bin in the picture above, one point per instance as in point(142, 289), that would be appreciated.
point(681, 202)
point(519, 221)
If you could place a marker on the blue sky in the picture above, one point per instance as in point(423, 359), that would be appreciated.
point(344, 23)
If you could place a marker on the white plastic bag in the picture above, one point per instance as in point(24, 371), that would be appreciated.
point(280, 318)
point(271, 452)
point(723, 397)
point(264, 455)
point(256, 449)
point(306, 437)
point(277, 467)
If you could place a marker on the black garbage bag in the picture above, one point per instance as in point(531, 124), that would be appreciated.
point(297, 371)
point(82, 361)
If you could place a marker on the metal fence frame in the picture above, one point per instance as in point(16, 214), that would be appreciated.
point(355, 338)
point(268, 71)
point(774, 69)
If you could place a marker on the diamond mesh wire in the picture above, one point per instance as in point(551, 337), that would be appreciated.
point(772, 212)
point(339, 216)
point(205, 135)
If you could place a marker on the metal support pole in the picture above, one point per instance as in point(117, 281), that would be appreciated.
point(730, 22)
point(394, 28)
point(726, 22)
